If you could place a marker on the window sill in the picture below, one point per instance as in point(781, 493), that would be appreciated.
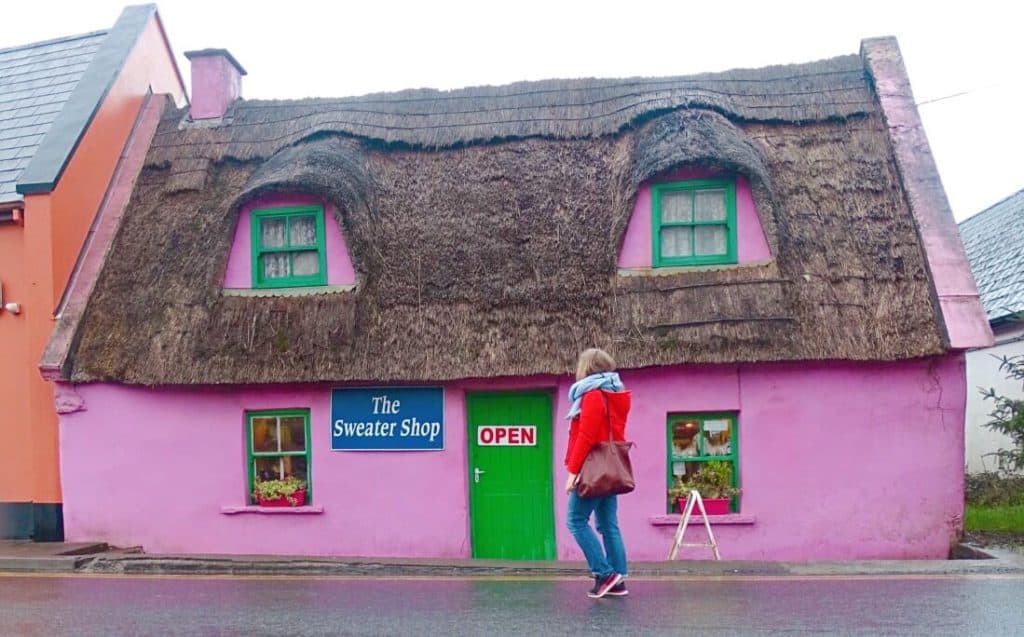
point(679, 269)
point(672, 519)
point(300, 291)
point(304, 510)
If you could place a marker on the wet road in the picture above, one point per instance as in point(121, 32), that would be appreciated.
point(124, 605)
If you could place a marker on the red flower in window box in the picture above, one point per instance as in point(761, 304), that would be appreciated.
point(297, 499)
point(290, 492)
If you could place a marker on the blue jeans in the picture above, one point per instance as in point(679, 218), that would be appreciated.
point(605, 509)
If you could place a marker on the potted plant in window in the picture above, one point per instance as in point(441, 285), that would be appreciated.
point(713, 482)
point(290, 492)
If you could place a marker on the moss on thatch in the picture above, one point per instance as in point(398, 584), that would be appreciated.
point(485, 225)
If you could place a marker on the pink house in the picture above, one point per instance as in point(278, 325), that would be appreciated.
point(379, 299)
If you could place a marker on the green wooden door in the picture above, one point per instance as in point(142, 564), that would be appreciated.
point(511, 506)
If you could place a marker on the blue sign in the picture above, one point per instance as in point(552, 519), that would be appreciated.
point(387, 419)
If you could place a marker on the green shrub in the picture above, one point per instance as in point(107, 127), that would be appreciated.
point(994, 489)
point(1007, 416)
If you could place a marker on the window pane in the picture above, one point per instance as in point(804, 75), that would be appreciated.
point(684, 438)
point(295, 466)
point(268, 468)
point(275, 265)
point(280, 467)
point(709, 205)
point(677, 206)
point(272, 232)
point(302, 231)
point(306, 263)
point(684, 471)
point(717, 437)
point(264, 434)
point(711, 240)
point(675, 241)
point(293, 433)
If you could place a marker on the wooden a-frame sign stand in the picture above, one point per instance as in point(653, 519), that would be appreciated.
point(693, 500)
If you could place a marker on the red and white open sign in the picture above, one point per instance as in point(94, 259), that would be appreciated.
point(506, 436)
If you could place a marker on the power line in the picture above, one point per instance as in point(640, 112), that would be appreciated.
point(962, 93)
point(944, 97)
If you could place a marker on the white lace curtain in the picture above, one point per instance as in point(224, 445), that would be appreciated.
point(689, 206)
point(289, 232)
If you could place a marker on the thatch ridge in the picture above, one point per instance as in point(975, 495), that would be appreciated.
point(480, 259)
point(555, 109)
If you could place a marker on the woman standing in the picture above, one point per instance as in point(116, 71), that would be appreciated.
point(598, 397)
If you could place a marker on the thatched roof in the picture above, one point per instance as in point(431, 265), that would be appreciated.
point(485, 224)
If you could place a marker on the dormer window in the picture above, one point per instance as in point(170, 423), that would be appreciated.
point(694, 222)
point(288, 248)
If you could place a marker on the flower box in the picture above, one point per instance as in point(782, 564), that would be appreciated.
point(299, 497)
point(713, 506)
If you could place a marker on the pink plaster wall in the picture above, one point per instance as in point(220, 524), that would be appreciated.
point(751, 244)
point(216, 84)
point(239, 270)
point(837, 461)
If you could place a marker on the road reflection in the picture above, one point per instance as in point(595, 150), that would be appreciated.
point(363, 606)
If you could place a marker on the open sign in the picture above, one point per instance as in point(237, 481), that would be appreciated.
point(506, 436)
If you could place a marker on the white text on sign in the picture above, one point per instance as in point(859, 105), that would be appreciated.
point(506, 436)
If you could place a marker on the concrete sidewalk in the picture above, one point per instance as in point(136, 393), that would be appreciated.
point(30, 557)
point(59, 557)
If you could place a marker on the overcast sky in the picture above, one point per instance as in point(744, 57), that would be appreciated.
point(964, 59)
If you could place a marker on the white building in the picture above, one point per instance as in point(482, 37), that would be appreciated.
point(994, 240)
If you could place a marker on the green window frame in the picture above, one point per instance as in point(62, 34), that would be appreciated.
point(666, 221)
point(285, 251)
point(270, 436)
point(704, 448)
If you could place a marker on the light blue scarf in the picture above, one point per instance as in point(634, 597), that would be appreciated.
point(603, 380)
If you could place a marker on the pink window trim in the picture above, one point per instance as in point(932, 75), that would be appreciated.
point(751, 244)
point(239, 270)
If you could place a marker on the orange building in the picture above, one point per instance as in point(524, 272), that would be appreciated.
point(68, 108)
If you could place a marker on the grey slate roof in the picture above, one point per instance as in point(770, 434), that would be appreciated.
point(36, 81)
point(994, 240)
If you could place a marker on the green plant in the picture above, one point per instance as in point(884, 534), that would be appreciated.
point(994, 489)
point(713, 481)
point(1007, 416)
point(277, 489)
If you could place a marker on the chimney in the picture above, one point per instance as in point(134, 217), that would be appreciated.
point(216, 82)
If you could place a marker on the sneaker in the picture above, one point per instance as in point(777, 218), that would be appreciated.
point(619, 590)
point(606, 584)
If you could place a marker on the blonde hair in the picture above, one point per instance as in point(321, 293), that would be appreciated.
point(592, 361)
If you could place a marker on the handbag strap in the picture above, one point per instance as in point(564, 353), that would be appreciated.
point(608, 413)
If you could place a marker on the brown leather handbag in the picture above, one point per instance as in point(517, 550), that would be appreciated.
point(606, 469)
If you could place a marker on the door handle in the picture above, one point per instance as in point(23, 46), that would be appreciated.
point(476, 474)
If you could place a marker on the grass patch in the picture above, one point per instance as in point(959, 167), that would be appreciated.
point(1005, 518)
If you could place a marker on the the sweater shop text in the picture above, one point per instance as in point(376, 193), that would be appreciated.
point(387, 419)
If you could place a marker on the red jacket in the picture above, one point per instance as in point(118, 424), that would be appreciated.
point(591, 424)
